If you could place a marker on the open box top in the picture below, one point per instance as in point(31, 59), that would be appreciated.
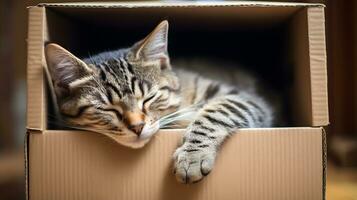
point(62, 23)
point(307, 32)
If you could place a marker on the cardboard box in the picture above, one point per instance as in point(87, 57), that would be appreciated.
point(269, 163)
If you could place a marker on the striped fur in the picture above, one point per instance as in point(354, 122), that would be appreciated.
point(108, 91)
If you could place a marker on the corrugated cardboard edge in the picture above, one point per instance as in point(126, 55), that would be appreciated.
point(324, 163)
point(318, 68)
point(35, 78)
point(26, 170)
point(178, 4)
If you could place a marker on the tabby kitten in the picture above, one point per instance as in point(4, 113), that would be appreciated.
point(129, 90)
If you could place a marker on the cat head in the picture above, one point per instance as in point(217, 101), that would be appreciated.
point(124, 91)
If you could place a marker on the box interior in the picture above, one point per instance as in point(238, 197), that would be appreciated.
point(262, 40)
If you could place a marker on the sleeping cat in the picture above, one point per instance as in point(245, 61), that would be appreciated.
point(129, 90)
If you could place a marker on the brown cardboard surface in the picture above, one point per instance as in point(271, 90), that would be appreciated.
point(310, 86)
point(318, 69)
point(274, 164)
point(301, 92)
point(35, 78)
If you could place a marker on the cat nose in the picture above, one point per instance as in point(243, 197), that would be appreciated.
point(137, 128)
point(135, 121)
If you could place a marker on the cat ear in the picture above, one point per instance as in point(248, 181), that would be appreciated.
point(66, 70)
point(154, 46)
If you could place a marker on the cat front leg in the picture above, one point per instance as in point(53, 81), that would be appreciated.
point(220, 117)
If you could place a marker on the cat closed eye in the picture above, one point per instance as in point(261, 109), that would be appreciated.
point(116, 112)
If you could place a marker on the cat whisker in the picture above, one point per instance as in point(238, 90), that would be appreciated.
point(180, 115)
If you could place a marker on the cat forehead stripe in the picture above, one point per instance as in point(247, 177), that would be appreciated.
point(80, 81)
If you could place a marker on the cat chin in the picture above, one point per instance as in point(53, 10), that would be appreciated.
point(149, 130)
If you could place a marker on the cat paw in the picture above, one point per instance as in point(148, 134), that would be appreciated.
point(192, 165)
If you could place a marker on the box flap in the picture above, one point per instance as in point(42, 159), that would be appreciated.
point(318, 68)
point(178, 4)
point(35, 79)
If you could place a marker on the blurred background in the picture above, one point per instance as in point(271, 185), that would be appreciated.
point(341, 30)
